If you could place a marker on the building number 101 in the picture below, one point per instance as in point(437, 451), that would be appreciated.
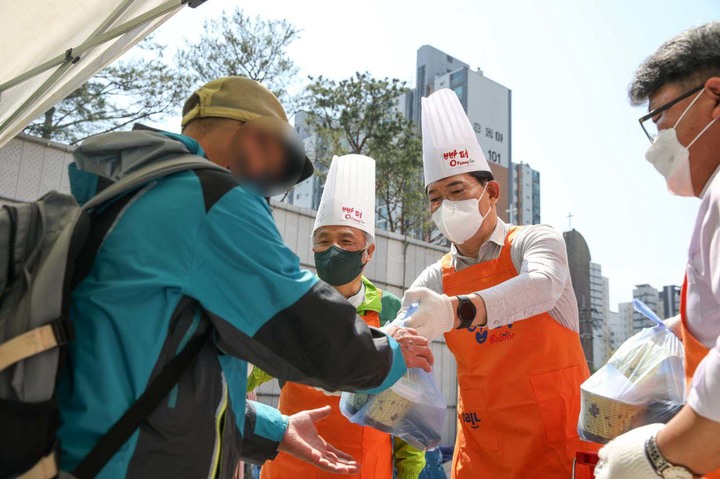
point(494, 156)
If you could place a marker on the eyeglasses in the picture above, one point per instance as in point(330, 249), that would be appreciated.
point(455, 193)
point(649, 126)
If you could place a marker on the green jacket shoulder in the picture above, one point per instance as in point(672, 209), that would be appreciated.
point(391, 305)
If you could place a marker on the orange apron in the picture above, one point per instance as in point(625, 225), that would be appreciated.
point(519, 387)
point(694, 351)
point(371, 448)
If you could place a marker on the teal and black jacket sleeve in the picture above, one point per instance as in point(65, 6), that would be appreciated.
point(268, 311)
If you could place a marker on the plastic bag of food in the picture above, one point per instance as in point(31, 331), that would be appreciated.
point(642, 383)
point(412, 409)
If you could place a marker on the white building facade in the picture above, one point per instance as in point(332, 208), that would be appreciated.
point(599, 314)
point(525, 209)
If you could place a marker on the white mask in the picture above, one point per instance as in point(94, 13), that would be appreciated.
point(672, 159)
point(458, 221)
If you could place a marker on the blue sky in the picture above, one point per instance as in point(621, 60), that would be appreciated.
point(568, 63)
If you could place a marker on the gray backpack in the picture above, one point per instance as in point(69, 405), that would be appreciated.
point(44, 248)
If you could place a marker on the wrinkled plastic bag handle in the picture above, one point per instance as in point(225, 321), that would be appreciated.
point(643, 309)
point(409, 312)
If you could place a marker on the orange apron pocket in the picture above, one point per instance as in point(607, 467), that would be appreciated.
point(557, 394)
point(477, 430)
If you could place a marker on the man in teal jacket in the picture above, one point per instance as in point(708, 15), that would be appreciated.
point(196, 251)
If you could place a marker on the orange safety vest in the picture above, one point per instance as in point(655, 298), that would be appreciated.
point(371, 448)
point(519, 387)
point(694, 351)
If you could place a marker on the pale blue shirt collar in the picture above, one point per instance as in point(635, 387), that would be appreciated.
point(489, 248)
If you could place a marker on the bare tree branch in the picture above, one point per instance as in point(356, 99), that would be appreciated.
point(236, 44)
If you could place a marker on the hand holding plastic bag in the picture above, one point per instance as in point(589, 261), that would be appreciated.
point(413, 409)
point(642, 383)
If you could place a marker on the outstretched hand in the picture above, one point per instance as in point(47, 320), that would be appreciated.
point(303, 441)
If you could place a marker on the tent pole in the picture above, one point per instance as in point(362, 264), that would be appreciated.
point(111, 19)
point(146, 17)
point(37, 93)
point(72, 54)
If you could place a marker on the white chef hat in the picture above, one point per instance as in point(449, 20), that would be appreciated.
point(450, 146)
point(349, 195)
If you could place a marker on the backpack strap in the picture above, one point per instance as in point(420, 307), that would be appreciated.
point(149, 173)
point(157, 390)
point(35, 342)
point(118, 191)
point(45, 468)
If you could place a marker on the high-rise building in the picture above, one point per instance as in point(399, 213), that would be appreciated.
point(486, 102)
point(306, 194)
point(626, 325)
point(431, 63)
point(615, 330)
point(670, 300)
point(525, 201)
point(579, 265)
point(599, 313)
point(405, 104)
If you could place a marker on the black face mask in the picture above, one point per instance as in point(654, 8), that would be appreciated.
point(337, 266)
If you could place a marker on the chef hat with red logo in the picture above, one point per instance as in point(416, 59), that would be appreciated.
point(348, 198)
point(450, 146)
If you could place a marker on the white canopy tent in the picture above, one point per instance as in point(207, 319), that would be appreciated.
point(51, 47)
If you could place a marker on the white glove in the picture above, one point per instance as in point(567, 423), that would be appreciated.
point(624, 457)
point(434, 315)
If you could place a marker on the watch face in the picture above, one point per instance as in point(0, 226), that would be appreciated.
point(676, 473)
point(466, 310)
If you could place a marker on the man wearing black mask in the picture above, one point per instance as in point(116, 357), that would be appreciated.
point(344, 243)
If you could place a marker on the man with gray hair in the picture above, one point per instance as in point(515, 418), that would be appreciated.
point(343, 244)
point(681, 83)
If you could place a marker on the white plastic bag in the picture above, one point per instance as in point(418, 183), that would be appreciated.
point(642, 383)
point(412, 409)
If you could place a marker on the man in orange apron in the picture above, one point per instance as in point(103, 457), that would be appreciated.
point(343, 243)
point(504, 300)
point(681, 83)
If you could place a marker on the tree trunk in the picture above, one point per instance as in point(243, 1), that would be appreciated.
point(47, 129)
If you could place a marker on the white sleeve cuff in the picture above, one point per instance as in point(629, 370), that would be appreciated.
point(704, 396)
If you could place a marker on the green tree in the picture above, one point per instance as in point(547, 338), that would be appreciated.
point(117, 96)
point(359, 115)
point(155, 81)
point(236, 44)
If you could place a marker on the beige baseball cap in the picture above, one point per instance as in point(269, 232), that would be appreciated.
point(246, 100)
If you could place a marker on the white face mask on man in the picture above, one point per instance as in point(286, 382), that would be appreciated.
point(458, 221)
point(672, 159)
